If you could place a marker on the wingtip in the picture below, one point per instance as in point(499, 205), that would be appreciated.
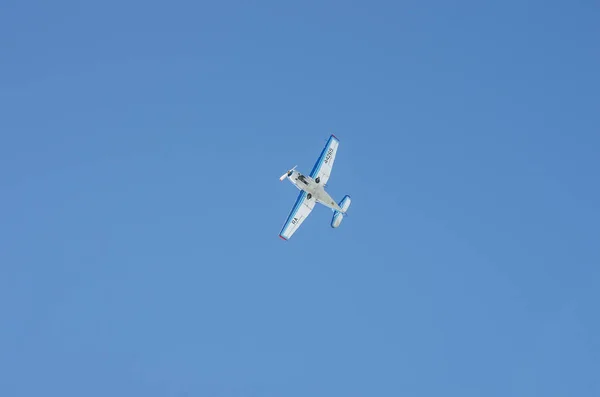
point(283, 238)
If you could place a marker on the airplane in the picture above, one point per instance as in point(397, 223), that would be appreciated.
point(312, 191)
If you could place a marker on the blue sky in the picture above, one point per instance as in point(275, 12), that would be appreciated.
point(141, 145)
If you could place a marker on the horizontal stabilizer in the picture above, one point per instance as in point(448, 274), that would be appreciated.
point(339, 216)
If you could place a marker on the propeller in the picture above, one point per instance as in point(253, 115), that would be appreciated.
point(282, 177)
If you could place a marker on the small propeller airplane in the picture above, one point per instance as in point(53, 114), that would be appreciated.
point(312, 191)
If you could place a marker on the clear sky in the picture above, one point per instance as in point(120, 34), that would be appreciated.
point(141, 144)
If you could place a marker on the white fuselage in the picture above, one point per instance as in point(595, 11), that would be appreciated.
point(316, 191)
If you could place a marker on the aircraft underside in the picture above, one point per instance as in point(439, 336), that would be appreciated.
point(312, 191)
point(324, 198)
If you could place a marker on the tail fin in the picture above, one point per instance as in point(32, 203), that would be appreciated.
point(337, 215)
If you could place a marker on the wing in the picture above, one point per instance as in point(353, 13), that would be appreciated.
point(301, 210)
point(324, 164)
